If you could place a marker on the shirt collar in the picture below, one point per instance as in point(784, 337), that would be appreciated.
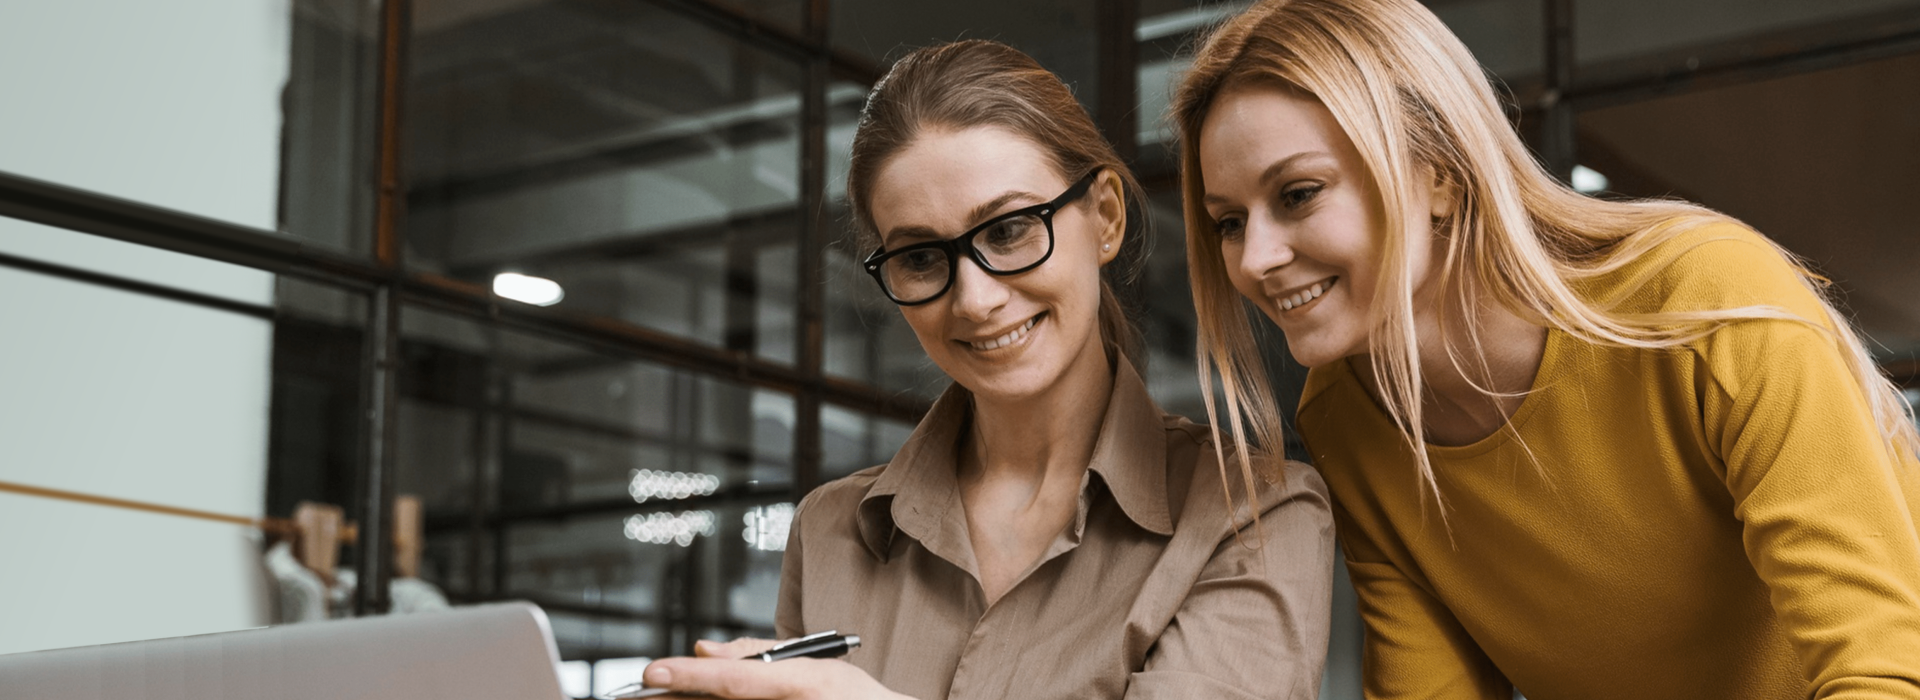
point(918, 493)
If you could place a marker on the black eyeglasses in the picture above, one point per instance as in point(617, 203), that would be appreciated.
point(1015, 242)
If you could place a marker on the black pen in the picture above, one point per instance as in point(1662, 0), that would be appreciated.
point(830, 644)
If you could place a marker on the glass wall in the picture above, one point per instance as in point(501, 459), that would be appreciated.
point(644, 161)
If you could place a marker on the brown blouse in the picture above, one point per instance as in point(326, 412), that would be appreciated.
point(1148, 594)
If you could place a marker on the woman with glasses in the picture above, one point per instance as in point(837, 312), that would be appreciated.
point(1578, 447)
point(1046, 532)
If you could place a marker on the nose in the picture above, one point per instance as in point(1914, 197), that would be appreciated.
point(1265, 247)
point(976, 294)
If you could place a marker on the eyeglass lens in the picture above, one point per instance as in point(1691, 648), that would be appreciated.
point(1007, 245)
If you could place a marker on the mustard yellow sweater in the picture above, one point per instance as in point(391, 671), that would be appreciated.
point(1720, 520)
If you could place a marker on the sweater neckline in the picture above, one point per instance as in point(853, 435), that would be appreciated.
point(1551, 358)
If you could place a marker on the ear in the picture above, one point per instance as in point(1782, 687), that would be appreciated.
point(1444, 197)
point(1110, 209)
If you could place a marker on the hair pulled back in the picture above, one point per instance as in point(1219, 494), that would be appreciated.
point(975, 83)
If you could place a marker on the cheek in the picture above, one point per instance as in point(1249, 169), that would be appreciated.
point(1071, 275)
point(1420, 268)
point(1230, 255)
point(925, 320)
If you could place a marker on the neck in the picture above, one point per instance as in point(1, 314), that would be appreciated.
point(1034, 437)
point(1456, 406)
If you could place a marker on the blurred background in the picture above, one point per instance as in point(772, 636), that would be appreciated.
point(345, 307)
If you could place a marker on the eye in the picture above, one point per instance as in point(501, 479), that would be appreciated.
point(1013, 232)
point(923, 260)
point(1230, 228)
point(1299, 195)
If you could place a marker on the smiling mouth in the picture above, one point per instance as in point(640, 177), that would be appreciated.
point(1011, 337)
point(1308, 295)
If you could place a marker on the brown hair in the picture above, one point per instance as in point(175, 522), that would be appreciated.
point(972, 83)
point(1412, 99)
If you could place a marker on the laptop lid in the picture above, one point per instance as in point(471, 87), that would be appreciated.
point(492, 652)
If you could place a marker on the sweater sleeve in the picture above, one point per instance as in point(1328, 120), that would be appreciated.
point(1824, 503)
point(1413, 648)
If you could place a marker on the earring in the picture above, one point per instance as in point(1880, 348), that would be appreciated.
point(1106, 246)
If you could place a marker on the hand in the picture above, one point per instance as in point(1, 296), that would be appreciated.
point(792, 679)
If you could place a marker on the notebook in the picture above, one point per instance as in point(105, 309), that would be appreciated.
point(492, 652)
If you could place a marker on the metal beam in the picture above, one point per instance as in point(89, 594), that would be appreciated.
point(1748, 60)
point(810, 340)
point(119, 219)
point(374, 553)
point(1557, 130)
point(66, 207)
point(124, 284)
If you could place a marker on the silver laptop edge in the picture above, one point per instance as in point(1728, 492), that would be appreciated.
point(493, 652)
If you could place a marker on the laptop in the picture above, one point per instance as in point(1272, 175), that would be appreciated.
point(493, 652)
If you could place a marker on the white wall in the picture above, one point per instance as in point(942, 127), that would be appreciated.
point(170, 103)
point(120, 394)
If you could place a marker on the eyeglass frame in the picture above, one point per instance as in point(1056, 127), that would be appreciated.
point(953, 247)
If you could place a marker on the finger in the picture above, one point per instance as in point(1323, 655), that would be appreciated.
point(736, 649)
point(726, 678)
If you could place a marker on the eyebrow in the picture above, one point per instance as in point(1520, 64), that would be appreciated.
point(978, 213)
point(1274, 171)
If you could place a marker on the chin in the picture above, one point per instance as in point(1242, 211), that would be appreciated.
point(1310, 354)
point(1021, 383)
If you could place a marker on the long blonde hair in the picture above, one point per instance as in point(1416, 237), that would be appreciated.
point(1414, 101)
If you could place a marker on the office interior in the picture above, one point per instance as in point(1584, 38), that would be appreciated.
point(554, 300)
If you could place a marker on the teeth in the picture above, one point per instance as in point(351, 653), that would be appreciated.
point(1301, 298)
point(1010, 338)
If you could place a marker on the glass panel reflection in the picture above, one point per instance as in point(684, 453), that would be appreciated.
point(641, 160)
point(866, 338)
point(640, 505)
point(315, 418)
point(649, 583)
point(1166, 322)
point(326, 196)
point(1059, 35)
point(1506, 36)
point(851, 441)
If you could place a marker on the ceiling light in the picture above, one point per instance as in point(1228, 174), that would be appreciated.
point(538, 291)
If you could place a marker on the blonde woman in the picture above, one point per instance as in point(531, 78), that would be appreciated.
point(1047, 531)
point(1584, 449)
